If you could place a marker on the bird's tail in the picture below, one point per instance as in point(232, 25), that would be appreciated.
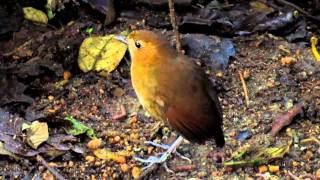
point(219, 137)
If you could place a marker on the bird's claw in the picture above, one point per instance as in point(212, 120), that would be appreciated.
point(165, 146)
point(164, 156)
point(154, 160)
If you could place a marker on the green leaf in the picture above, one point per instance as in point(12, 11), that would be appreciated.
point(79, 128)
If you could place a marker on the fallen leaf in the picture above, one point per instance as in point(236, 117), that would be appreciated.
point(35, 15)
point(79, 128)
point(109, 155)
point(3, 151)
point(101, 53)
point(16, 147)
point(37, 134)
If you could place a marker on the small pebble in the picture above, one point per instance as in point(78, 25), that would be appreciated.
point(133, 120)
point(308, 155)
point(52, 164)
point(71, 164)
point(150, 149)
point(117, 92)
point(50, 98)
point(201, 174)
point(90, 159)
point(135, 172)
point(116, 139)
point(274, 168)
point(48, 176)
point(66, 75)
point(263, 169)
point(295, 163)
point(93, 177)
point(124, 167)
point(318, 174)
point(94, 144)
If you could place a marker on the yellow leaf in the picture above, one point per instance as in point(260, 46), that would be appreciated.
point(314, 43)
point(108, 155)
point(101, 53)
point(37, 134)
point(35, 15)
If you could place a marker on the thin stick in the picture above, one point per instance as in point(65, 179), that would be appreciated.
point(175, 26)
point(245, 89)
point(308, 15)
point(52, 170)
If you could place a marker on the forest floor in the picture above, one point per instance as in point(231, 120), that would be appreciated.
point(278, 75)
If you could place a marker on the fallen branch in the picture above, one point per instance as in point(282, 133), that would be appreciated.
point(245, 89)
point(285, 118)
point(121, 115)
point(175, 26)
point(190, 167)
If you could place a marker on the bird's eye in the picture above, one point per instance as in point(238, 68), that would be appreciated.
point(138, 45)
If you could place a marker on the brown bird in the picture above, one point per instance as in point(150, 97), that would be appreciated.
point(172, 88)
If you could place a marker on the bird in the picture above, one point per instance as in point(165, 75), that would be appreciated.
point(172, 88)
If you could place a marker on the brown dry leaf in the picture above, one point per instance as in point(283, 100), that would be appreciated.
point(37, 134)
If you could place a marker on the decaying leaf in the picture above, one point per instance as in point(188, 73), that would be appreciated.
point(101, 53)
point(37, 134)
point(108, 155)
point(79, 128)
point(255, 156)
point(35, 15)
point(3, 151)
point(16, 146)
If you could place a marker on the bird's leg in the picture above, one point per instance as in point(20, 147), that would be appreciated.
point(170, 149)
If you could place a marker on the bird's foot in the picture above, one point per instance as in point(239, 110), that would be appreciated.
point(166, 146)
point(161, 160)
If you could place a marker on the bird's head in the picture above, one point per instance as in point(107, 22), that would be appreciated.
point(146, 45)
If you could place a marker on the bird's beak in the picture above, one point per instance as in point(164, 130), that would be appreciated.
point(121, 38)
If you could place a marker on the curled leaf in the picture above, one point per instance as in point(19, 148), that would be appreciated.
point(35, 15)
point(37, 134)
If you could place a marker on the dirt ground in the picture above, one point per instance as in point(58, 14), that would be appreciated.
point(272, 84)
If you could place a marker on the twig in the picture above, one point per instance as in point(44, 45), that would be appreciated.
point(121, 115)
point(285, 118)
point(245, 89)
point(175, 26)
point(308, 15)
point(190, 167)
point(52, 170)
